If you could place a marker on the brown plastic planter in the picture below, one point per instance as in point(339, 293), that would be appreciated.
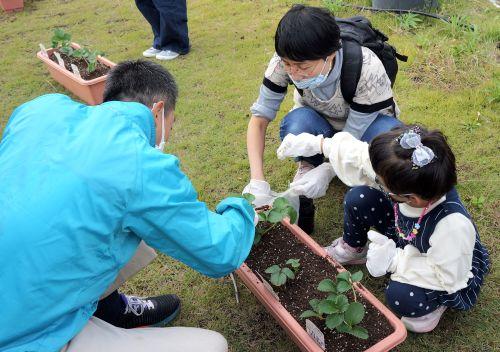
point(89, 91)
point(296, 332)
point(12, 5)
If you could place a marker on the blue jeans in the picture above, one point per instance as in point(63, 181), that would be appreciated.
point(168, 19)
point(308, 120)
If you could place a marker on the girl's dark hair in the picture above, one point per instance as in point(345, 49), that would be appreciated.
point(307, 33)
point(394, 165)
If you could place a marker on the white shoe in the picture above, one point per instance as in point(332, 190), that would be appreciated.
point(304, 167)
point(425, 323)
point(151, 52)
point(167, 55)
point(345, 254)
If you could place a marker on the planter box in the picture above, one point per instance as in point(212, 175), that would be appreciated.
point(89, 91)
point(296, 332)
point(12, 5)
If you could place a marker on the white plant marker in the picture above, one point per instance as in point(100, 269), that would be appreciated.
point(236, 293)
point(315, 334)
point(43, 50)
point(75, 70)
point(268, 286)
point(59, 59)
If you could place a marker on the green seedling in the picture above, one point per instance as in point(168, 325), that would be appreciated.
point(294, 263)
point(408, 21)
point(280, 210)
point(333, 5)
point(61, 41)
point(279, 275)
point(336, 310)
point(478, 202)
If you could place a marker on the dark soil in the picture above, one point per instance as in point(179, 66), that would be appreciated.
point(100, 70)
point(276, 247)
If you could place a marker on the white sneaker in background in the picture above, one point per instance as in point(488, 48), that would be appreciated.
point(167, 55)
point(151, 52)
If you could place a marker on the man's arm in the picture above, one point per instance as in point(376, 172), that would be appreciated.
point(164, 211)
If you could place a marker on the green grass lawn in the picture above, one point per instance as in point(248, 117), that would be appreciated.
point(451, 82)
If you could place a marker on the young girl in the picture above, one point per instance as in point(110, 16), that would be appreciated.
point(403, 187)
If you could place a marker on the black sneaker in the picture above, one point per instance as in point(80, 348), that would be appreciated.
point(136, 312)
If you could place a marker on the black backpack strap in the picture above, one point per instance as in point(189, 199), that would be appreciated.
point(351, 69)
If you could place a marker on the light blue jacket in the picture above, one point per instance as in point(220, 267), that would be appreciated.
point(80, 186)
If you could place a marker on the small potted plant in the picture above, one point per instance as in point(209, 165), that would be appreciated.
point(80, 70)
point(12, 5)
point(322, 307)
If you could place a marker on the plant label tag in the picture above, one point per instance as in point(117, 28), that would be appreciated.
point(75, 70)
point(268, 287)
point(43, 50)
point(59, 59)
point(315, 334)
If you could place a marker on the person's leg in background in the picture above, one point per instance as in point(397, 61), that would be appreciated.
point(174, 38)
point(127, 311)
point(152, 15)
point(306, 120)
point(99, 336)
point(382, 123)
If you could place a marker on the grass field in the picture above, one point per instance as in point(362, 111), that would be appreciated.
point(451, 82)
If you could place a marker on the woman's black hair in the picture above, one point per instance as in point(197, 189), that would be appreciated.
point(394, 164)
point(307, 33)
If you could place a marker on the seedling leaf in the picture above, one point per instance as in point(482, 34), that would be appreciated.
point(308, 314)
point(354, 313)
point(334, 320)
point(273, 269)
point(289, 273)
point(357, 276)
point(343, 286)
point(327, 307)
point(327, 285)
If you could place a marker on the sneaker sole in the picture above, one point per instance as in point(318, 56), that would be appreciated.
point(166, 59)
point(149, 55)
point(169, 319)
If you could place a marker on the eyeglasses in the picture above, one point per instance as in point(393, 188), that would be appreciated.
point(387, 193)
point(303, 70)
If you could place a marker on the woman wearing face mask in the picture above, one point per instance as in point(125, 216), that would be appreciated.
point(309, 55)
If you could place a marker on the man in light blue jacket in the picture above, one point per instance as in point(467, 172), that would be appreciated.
point(82, 188)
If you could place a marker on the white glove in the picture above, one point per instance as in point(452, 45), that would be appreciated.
point(261, 190)
point(255, 218)
point(304, 144)
point(381, 255)
point(315, 182)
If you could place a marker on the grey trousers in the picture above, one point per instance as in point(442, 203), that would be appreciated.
point(99, 336)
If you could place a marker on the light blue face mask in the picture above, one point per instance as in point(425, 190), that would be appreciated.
point(313, 82)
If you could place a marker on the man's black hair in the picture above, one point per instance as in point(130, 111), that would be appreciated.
point(394, 164)
point(141, 81)
point(307, 33)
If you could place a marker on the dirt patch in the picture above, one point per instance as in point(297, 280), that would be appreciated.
point(279, 245)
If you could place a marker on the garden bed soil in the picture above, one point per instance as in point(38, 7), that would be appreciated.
point(99, 71)
point(276, 247)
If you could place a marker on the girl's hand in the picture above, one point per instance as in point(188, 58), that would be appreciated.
point(381, 254)
point(304, 144)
